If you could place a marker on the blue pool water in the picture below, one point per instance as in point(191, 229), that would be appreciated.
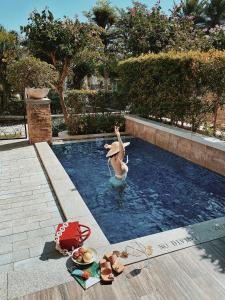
point(162, 192)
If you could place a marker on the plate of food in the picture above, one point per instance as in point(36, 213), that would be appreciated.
point(84, 256)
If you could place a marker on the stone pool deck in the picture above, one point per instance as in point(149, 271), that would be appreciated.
point(28, 216)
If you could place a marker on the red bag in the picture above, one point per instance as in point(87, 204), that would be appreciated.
point(70, 235)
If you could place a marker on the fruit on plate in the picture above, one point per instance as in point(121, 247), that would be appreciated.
point(82, 250)
point(83, 255)
point(89, 251)
point(76, 254)
point(87, 257)
point(79, 259)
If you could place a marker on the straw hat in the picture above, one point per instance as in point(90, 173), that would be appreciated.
point(115, 148)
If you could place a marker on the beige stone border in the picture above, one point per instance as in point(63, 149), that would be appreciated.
point(74, 208)
point(203, 150)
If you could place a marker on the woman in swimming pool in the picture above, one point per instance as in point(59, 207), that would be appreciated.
point(116, 155)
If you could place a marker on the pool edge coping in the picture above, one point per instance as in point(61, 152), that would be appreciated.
point(180, 132)
point(74, 208)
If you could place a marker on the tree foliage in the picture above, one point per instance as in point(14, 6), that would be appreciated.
point(141, 30)
point(30, 72)
point(215, 12)
point(9, 50)
point(58, 42)
point(185, 36)
point(193, 9)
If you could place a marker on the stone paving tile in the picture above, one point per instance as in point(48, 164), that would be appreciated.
point(11, 211)
point(18, 194)
point(50, 203)
point(50, 222)
point(5, 248)
point(39, 279)
point(7, 231)
point(28, 263)
point(5, 225)
point(46, 251)
point(3, 286)
point(28, 215)
point(34, 201)
point(17, 199)
point(26, 227)
point(29, 212)
point(48, 238)
point(33, 242)
point(27, 188)
point(6, 239)
point(5, 259)
point(44, 217)
point(4, 206)
point(19, 237)
point(6, 268)
point(18, 255)
point(41, 232)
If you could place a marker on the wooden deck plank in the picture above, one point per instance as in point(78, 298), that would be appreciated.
point(177, 284)
point(192, 273)
point(211, 287)
point(211, 257)
point(188, 262)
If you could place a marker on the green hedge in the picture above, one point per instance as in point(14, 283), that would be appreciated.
point(94, 123)
point(85, 101)
point(174, 85)
point(88, 112)
point(77, 101)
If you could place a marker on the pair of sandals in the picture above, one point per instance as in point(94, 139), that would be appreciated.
point(108, 264)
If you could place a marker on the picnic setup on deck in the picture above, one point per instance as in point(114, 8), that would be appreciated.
point(86, 268)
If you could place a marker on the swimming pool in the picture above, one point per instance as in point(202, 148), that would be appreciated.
point(163, 191)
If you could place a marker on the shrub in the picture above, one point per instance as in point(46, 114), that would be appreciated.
point(94, 123)
point(55, 102)
point(84, 101)
point(108, 100)
point(78, 100)
point(58, 125)
point(174, 85)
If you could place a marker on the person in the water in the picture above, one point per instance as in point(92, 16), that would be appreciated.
point(116, 155)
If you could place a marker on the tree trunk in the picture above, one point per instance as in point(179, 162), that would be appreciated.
point(106, 77)
point(59, 89)
point(215, 113)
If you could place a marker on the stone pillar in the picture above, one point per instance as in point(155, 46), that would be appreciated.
point(39, 120)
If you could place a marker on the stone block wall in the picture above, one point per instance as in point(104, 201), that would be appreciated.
point(205, 151)
point(39, 120)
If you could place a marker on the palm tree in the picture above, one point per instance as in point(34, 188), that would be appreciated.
point(215, 12)
point(104, 16)
point(191, 8)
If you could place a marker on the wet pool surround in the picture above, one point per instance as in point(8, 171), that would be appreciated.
point(205, 151)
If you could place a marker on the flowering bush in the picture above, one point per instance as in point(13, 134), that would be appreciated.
point(217, 37)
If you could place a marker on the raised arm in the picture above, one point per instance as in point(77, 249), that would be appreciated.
point(121, 147)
